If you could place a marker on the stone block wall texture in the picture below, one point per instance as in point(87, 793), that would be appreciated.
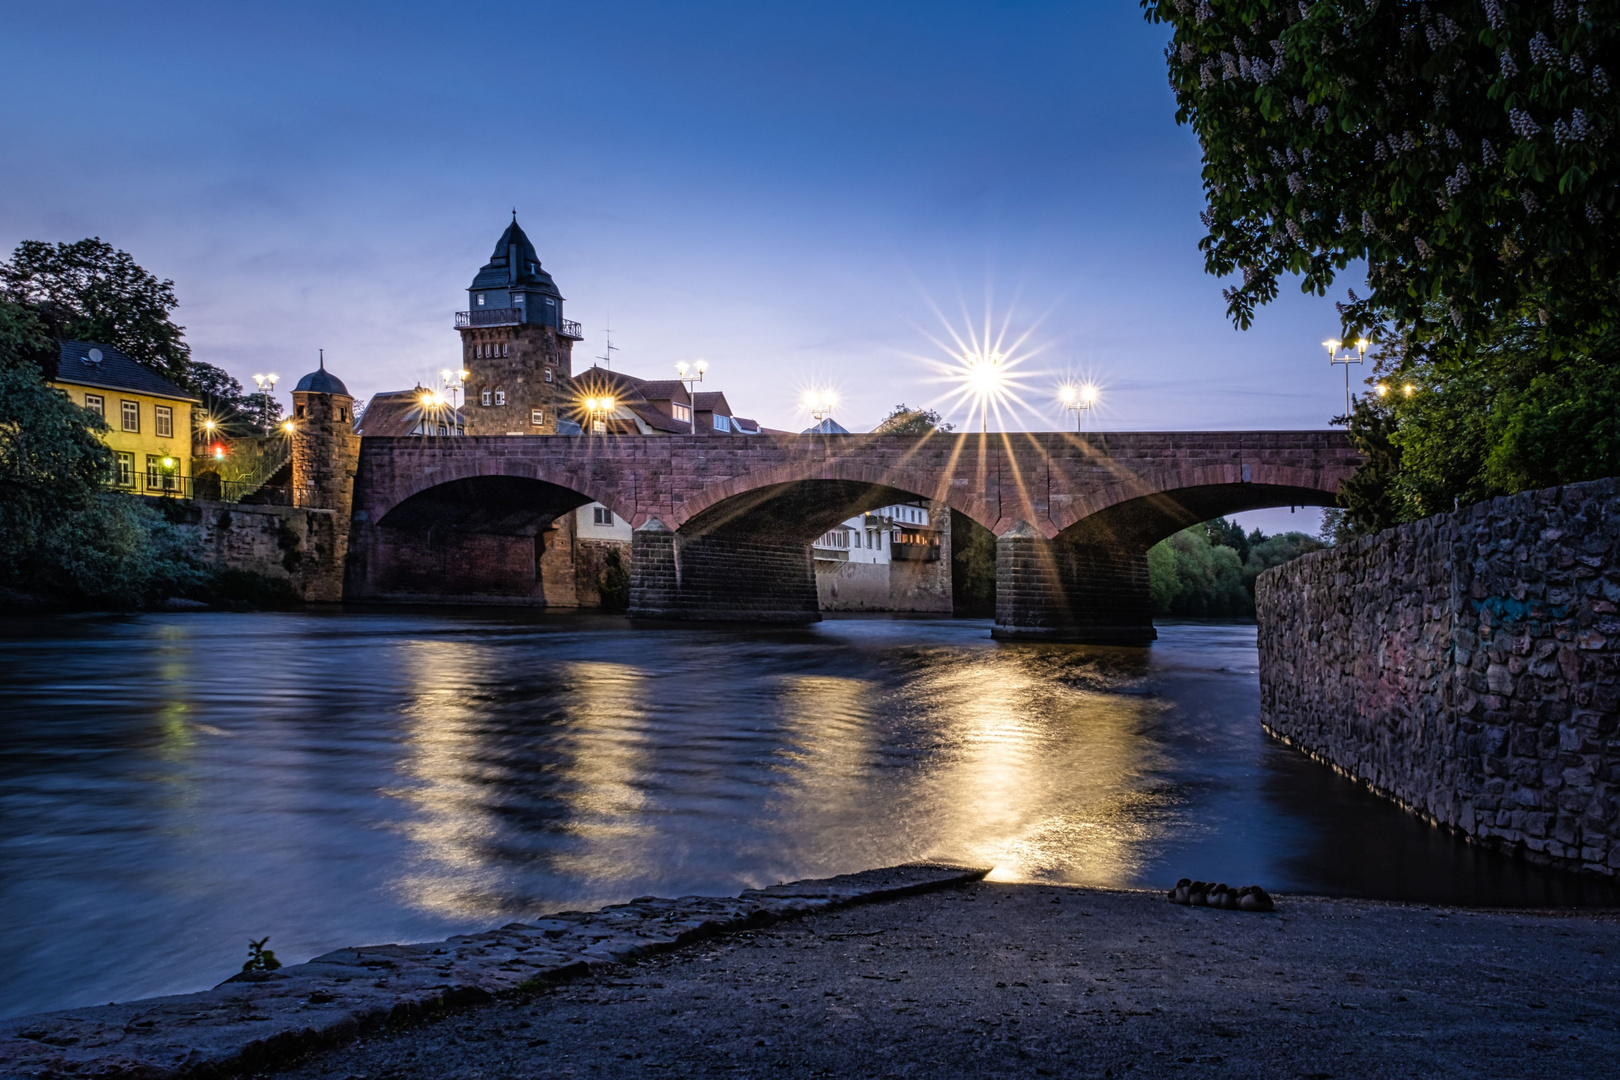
point(293, 544)
point(844, 586)
point(1467, 666)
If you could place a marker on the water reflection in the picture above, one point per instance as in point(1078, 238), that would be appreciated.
point(171, 785)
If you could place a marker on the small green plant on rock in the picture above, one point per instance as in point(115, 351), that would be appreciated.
point(259, 957)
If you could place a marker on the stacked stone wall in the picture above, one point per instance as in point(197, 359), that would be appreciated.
point(293, 544)
point(1467, 666)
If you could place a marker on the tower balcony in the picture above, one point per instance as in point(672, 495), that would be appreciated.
point(501, 316)
point(567, 328)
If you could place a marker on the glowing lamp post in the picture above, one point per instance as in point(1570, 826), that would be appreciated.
point(1346, 358)
point(599, 408)
point(266, 384)
point(452, 382)
point(820, 404)
point(690, 375)
point(1079, 400)
point(984, 378)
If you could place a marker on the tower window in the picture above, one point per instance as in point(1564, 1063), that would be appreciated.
point(299, 412)
point(548, 374)
point(505, 349)
point(517, 298)
point(484, 397)
point(537, 417)
point(480, 299)
point(551, 301)
point(500, 397)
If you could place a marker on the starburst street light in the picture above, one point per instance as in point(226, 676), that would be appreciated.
point(266, 384)
point(599, 409)
point(690, 375)
point(1079, 400)
point(984, 379)
point(820, 404)
point(1346, 358)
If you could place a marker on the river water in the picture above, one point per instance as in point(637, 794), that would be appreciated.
point(173, 785)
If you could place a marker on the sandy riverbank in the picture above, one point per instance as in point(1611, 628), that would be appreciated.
point(1008, 980)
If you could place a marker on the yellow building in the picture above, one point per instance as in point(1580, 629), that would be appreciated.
point(149, 416)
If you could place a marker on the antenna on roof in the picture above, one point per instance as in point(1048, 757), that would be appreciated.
point(607, 335)
point(323, 359)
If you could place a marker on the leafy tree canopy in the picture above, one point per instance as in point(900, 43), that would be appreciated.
point(1465, 148)
point(89, 291)
point(1210, 569)
point(904, 420)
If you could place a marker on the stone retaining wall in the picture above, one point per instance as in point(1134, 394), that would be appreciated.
point(300, 546)
point(1465, 666)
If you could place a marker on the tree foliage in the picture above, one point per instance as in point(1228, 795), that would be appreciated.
point(1465, 148)
point(89, 291)
point(1458, 427)
point(1210, 569)
point(904, 420)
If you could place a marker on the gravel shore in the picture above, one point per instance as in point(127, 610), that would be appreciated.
point(1016, 980)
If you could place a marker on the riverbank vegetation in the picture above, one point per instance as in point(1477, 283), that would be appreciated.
point(1471, 165)
point(65, 539)
point(1210, 569)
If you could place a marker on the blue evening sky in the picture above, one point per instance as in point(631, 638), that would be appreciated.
point(804, 195)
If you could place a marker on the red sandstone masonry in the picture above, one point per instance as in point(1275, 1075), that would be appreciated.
point(1051, 480)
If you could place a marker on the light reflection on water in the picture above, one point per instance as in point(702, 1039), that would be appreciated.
point(171, 785)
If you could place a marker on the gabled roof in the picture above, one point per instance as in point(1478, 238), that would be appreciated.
point(114, 371)
point(515, 264)
point(711, 401)
point(398, 412)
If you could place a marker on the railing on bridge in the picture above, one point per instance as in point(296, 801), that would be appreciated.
point(207, 487)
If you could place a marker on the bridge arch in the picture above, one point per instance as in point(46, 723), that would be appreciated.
point(730, 499)
point(471, 534)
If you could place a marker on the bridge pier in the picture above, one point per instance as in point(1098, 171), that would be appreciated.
point(719, 577)
point(1061, 590)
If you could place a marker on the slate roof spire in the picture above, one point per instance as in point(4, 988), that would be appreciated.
point(515, 264)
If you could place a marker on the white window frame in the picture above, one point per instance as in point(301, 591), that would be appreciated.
point(480, 299)
point(500, 397)
point(683, 413)
point(537, 417)
point(129, 415)
point(163, 421)
point(96, 404)
point(601, 515)
point(483, 399)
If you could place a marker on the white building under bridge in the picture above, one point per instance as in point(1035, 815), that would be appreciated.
point(893, 558)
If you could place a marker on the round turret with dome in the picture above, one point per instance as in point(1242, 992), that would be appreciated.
point(326, 454)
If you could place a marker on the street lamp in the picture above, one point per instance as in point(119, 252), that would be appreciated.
point(1346, 358)
point(984, 378)
point(690, 376)
point(452, 382)
point(1079, 400)
point(599, 407)
point(267, 383)
point(820, 404)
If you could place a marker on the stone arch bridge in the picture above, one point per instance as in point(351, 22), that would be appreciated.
point(722, 526)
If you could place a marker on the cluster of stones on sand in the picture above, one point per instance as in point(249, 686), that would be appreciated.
point(1223, 896)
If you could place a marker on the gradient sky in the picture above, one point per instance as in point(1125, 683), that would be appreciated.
point(814, 195)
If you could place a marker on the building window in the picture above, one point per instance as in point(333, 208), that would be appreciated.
point(126, 469)
point(537, 417)
point(131, 415)
point(484, 398)
point(343, 415)
point(500, 397)
point(550, 302)
point(505, 349)
point(722, 423)
point(161, 474)
point(599, 426)
point(480, 299)
point(682, 412)
point(443, 430)
point(517, 298)
point(602, 515)
point(96, 404)
point(548, 374)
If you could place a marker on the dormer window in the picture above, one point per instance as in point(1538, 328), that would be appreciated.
point(551, 301)
point(517, 298)
point(722, 423)
point(480, 299)
point(681, 412)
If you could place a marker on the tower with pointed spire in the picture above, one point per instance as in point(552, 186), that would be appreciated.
point(515, 344)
